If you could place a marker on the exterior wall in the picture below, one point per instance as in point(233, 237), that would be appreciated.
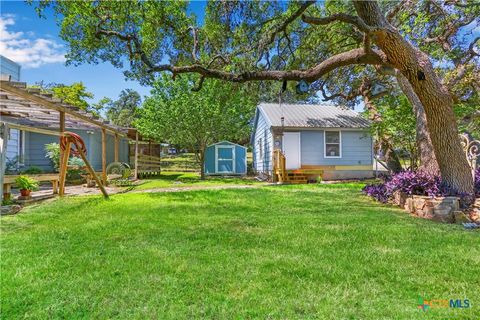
point(8, 67)
point(210, 160)
point(347, 174)
point(264, 135)
point(35, 149)
point(240, 158)
point(356, 149)
point(13, 144)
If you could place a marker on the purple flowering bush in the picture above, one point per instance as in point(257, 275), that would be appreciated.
point(408, 182)
point(413, 183)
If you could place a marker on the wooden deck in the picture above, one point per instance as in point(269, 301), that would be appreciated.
point(282, 175)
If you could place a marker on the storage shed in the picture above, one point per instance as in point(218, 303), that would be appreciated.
point(226, 158)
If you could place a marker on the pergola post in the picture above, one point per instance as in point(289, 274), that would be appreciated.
point(136, 154)
point(4, 130)
point(61, 130)
point(104, 157)
point(116, 147)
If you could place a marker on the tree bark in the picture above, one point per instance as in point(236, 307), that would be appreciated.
point(202, 164)
point(434, 96)
point(425, 151)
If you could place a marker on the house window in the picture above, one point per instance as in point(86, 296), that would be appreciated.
point(260, 149)
point(333, 144)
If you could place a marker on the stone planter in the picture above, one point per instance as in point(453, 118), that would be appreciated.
point(400, 199)
point(438, 208)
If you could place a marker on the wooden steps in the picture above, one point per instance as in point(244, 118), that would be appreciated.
point(296, 177)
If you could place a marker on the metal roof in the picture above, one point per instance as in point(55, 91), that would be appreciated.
point(312, 116)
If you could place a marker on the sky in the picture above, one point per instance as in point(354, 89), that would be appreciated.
point(33, 42)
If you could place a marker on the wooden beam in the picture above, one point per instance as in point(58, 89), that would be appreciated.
point(136, 154)
point(47, 103)
point(64, 168)
point(104, 157)
point(4, 130)
point(116, 147)
point(92, 172)
point(31, 129)
point(61, 131)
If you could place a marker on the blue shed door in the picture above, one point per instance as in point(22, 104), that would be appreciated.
point(225, 159)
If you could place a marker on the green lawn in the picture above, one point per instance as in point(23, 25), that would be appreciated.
point(180, 162)
point(188, 179)
point(283, 252)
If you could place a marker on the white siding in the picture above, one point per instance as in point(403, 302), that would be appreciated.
point(263, 135)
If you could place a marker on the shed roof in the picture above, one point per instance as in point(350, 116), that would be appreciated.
point(312, 116)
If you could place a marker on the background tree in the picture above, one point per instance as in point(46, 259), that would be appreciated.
point(258, 41)
point(194, 120)
point(75, 94)
point(122, 111)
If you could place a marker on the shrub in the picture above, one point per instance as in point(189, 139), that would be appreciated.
point(75, 174)
point(53, 153)
point(377, 191)
point(33, 170)
point(413, 183)
point(26, 183)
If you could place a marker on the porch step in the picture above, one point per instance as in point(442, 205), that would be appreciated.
point(296, 177)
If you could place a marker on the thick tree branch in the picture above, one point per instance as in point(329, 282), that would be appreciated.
point(281, 27)
point(342, 17)
point(355, 56)
point(195, 42)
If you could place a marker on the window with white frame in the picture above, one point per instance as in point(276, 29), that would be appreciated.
point(260, 149)
point(333, 144)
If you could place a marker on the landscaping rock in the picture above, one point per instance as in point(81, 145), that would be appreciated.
point(11, 209)
point(439, 209)
point(460, 217)
point(400, 199)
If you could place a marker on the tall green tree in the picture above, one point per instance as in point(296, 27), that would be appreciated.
point(75, 94)
point(260, 41)
point(122, 111)
point(194, 120)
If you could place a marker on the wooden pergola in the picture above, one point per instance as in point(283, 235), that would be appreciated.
point(31, 110)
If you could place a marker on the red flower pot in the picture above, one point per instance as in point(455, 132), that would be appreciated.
point(25, 192)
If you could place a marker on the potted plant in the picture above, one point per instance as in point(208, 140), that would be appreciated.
point(26, 185)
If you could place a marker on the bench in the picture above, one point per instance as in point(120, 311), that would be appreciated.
point(10, 179)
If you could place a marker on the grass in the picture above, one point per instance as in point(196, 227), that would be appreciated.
point(188, 179)
point(180, 162)
point(283, 252)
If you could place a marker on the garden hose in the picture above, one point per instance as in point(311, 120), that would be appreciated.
point(76, 140)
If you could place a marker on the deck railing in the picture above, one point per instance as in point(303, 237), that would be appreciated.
point(279, 166)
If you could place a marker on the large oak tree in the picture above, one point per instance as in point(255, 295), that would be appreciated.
point(257, 41)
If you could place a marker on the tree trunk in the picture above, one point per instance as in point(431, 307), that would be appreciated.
point(434, 96)
point(202, 164)
point(391, 157)
point(425, 151)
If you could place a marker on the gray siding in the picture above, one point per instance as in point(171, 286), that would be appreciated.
point(12, 143)
point(35, 149)
point(263, 134)
point(356, 148)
